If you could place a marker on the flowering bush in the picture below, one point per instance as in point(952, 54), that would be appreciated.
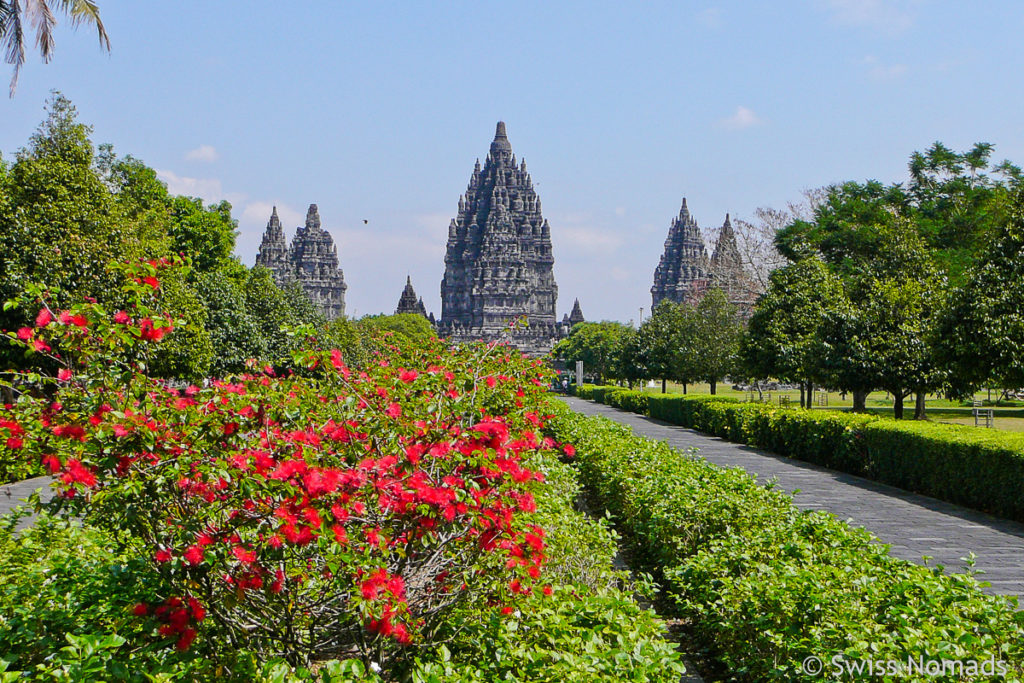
point(305, 511)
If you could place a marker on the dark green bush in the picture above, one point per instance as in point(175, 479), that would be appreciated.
point(765, 585)
point(982, 469)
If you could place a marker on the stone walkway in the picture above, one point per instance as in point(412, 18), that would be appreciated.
point(13, 495)
point(914, 525)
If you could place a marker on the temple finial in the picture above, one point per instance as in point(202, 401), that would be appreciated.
point(499, 132)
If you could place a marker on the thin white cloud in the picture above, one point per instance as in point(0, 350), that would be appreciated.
point(742, 118)
point(205, 153)
point(257, 213)
point(888, 17)
point(209, 190)
point(878, 71)
point(620, 211)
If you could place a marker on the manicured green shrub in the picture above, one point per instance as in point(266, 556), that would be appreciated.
point(979, 468)
point(982, 469)
point(764, 585)
point(599, 392)
point(626, 399)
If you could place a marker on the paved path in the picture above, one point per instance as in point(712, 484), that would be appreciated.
point(13, 495)
point(912, 524)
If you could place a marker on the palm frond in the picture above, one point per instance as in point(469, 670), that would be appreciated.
point(43, 22)
point(86, 11)
point(13, 37)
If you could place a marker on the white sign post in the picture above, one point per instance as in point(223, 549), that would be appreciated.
point(579, 373)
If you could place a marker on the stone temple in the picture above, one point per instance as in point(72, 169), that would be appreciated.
point(311, 260)
point(499, 265)
point(685, 272)
point(410, 303)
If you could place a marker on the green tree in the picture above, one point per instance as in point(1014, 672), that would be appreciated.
point(668, 340)
point(39, 14)
point(206, 234)
point(596, 344)
point(716, 336)
point(781, 339)
point(60, 225)
point(234, 334)
point(979, 334)
point(402, 328)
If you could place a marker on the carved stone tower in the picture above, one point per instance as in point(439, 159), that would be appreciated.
point(499, 265)
point(683, 269)
point(728, 273)
point(408, 302)
point(311, 260)
point(576, 317)
point(273, 253)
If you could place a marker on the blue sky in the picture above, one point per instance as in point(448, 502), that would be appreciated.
point(377, 111)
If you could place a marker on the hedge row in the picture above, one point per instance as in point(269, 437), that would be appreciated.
point(764, 585)
point(981, 469)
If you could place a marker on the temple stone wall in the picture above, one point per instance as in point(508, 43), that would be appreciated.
point(311, 260)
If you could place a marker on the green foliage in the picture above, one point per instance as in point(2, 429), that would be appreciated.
point(765, 585)
point(234, 334)
point(781, 334)
point(716, 345)
point(205, 234)
point(398, 329)
point(981, 469)
point(979, 335)
point(596, 344)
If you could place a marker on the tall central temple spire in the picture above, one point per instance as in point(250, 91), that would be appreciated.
point(499, 265)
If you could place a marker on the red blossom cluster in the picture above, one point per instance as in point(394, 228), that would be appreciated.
point(371, 500)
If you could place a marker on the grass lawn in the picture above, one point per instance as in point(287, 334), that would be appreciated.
point(1009, 415)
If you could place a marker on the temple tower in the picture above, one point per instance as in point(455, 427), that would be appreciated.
point(311, 260)
point(683, 269)
point(409, 302)
point(499, 263)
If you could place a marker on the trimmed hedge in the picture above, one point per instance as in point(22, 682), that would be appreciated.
point(981, 469)
point(764, 585)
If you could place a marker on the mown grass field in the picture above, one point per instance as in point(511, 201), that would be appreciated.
point(1009, 415)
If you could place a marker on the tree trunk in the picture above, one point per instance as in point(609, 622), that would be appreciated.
point(810, 395)
point(684, 387)
point(919, 406)
point(860, 401)
point(8, 395)
point(713, 385)
point(801, 394)
point(664, 387)
point(897, 404)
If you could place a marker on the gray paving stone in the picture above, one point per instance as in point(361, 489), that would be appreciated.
point(913, 525)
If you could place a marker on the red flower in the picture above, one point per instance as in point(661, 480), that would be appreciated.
point(198, 611)
point(162, 556)
point(40, 345)
point(193, 555)
point(151, 281)
point(25, 333)
point(141, 609)
point(490, 381)
point(121, 318)
point(63, 375)
point(570, 450)
point(393, 410)
point(246, 556)
point(44, 317)
point(408, 376)
point(185, 641)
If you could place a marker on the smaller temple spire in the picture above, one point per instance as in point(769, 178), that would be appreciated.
point(576, 317)
point(409, 302)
